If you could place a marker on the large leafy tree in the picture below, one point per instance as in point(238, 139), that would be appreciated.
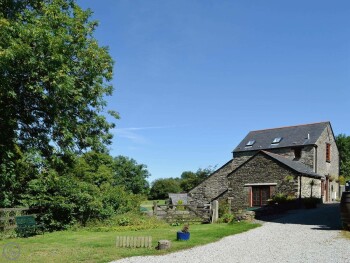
point(54, 77)
point(131, 175)
point(190, 179)
point(163, 186)
point(343, 144)
point(100, 168)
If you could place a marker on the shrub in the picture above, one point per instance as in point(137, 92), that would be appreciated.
point(342, 180)
point(226, 218)
point(186, 228)
point(224, 207)
point(180, 206)
point(128, 221)
point(67, 200)
point(281, 199)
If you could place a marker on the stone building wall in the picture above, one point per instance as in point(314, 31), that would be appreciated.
point(311, 155)
point(310, 187)
point(307, 154)
point(328, 169)
point(211, 187)
point(324, 167)
point(261, 170)
point(217, 183)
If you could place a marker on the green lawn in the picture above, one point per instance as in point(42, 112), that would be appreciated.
point(88, 246)
point(148, 204)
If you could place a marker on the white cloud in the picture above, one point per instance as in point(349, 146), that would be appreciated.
point(145, 128)
point(132, 135)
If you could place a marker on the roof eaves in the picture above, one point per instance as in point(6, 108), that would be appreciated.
point(285, 162)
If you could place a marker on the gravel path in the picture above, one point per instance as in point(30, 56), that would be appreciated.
point(300, 236)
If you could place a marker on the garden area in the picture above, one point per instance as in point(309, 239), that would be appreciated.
point(97, 243)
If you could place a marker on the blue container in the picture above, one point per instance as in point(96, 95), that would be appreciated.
point(183, 235)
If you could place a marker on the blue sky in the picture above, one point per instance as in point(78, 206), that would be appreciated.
point(192, 78)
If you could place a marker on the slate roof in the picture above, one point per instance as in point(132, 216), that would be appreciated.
point(300, 135)
point(295, 165)
point(175, 198)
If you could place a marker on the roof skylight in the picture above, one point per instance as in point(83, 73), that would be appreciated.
point(276, 140)
point(250, 143)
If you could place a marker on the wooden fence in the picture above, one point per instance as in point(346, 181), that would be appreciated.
point(183, 213)
point(134, 242)
point(8, 215)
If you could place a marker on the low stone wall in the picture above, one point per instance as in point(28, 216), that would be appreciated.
point(245, 215)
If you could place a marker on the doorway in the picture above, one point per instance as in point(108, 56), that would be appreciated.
point(260, 195)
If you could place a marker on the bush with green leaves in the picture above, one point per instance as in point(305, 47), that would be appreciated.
point(128, 221)
point(226, 218)
point(71, 198)
point(163, 186)
point(224, 207)
point(281, 199)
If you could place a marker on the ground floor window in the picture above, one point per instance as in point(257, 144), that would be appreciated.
point(260, 195)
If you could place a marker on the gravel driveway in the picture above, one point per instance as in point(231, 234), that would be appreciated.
point(300, 236)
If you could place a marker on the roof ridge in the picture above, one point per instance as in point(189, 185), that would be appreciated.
point(291, 126)
point(271, 153)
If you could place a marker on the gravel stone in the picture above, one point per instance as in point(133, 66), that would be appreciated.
point(300, 236)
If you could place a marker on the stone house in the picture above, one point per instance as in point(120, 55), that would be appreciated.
point(299, 161)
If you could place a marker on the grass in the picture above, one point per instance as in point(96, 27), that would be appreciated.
point(346, 234)
point(148, 204)
point(88, 246)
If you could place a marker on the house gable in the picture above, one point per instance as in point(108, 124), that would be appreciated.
point(295, 166)
point(291, 151)
point(330, 166)
point(266, 172)
point(212, 186)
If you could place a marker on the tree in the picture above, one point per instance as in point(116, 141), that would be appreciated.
point(190, 179)
point(95, 168)
point(343, 144)
point(54, 77)
point(87, 191)
point(131, 175)
point(161, 187)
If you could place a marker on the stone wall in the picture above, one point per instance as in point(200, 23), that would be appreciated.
point(217, 183)
point(260, 170)
point(241, 157)
point(307, 154)
point(310, 187)
point(324, 167)
point(329, 169)
point(213, 186)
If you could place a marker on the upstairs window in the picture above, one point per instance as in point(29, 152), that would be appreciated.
point(328, 152)
point(250, 143)
point(297, 153)
point(276, 140)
